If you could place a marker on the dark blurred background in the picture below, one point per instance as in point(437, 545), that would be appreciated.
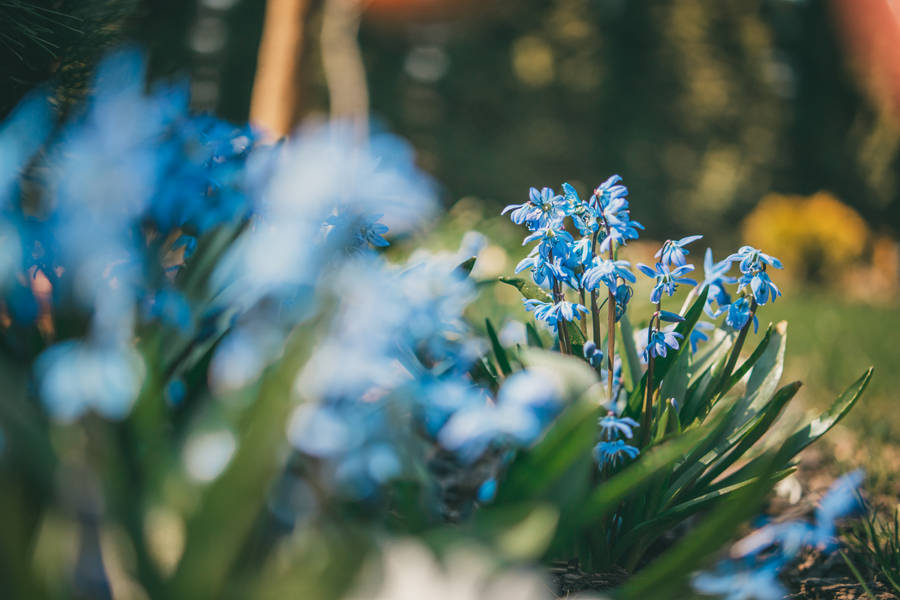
point(703, 106)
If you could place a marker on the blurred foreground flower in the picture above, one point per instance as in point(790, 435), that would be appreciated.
point(409, 571)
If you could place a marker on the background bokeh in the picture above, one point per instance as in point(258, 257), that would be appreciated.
point(772, 122)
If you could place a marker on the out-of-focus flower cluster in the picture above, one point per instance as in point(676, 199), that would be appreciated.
point(143, 219)
point(756, 560)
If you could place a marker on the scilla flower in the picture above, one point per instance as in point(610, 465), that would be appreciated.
point(715, 277)
point(614, 453)
point(613, 427)
point(543, 208)
point(666, 281)
point(660, 342)
point(738, 314)
point(698, 334)
point(607, 272)
point(750, 259)
point(673, 252)
point(762, 287)
point(552, 313)
point(554, 240)
point(593, 354)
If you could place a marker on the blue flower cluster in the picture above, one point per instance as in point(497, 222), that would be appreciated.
point(560, 262)
point(613, 451)
point(759, 557)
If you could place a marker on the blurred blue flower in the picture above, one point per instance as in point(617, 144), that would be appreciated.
point(715, 276)
point(841, 500)
point(743, 582)
point(487, 490)
point(75, 377)
point(526, 404)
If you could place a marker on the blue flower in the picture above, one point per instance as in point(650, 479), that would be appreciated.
point(738, 314)
point(487, 490)
point(607, 272)
point(614, 453)
point(546, 272)
point(593, 354)
point(612, 427)
point(698, 334)
point(666, 281)
point(551, 313)
point(581, 213)
point(673, 252)
point(750, 259)
point(543, 208)
point(609, 190)
point(371, 232)
point(77, 376)
point(746, 582)
point(526, 403)
point(622, 295)
point(621, 227)
point(660, 342)
point(841, 500)
point(761, 286)
point(715, 276)
point(553, 242)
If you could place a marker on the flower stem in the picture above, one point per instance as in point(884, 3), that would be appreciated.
point(595, 310)
point(649, 388)
point(611, 308)
point(736, 350)
point(584, 320)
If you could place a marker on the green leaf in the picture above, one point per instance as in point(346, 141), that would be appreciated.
point(535, 472)
point(752, 433)
point(656, 580)
point(676, 382)
point(744, 413)
point(662, 364)
point(757, 353)
point(499, 352)
point(528, 289)
point(630, 355)
point(816, 428)
point(656, 527)
point(635, 476)
point(532, 335)
point(482, 372)
point(237, 495)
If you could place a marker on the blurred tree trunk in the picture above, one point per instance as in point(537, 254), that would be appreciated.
point(342, 62)
point(275, 103)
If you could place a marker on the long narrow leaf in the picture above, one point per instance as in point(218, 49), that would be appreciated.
point(497, 347)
